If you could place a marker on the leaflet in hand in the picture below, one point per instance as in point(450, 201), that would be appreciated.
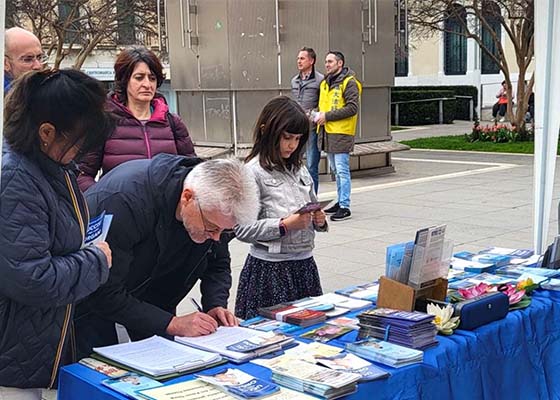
point(239, 383)
point(129, 385)
point(98, 228)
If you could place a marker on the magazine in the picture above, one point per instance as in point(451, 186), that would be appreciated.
point(239, 383)
point(351, 363)
point(130, 384)
point(264, 324)
point(104, 368)
point(386, 353)
point(259, 341)
point(326, 332)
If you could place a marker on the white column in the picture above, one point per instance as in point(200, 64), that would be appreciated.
point(547, 117)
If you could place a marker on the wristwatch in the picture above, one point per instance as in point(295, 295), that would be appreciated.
point(283, 229)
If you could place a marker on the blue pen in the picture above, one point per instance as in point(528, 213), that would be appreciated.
point(195, 303)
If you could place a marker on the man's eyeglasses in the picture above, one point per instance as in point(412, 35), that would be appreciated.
point(214, 230)
point(29, 59)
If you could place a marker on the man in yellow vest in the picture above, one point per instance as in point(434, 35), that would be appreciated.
point(339, 102)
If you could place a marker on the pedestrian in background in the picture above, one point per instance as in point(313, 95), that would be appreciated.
point(305, 90)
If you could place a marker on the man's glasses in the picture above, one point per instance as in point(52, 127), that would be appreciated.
point(29, 59)
point(214, 230)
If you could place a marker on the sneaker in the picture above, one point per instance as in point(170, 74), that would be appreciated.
point(503, 119)
point(333, 209)
point(341, 214)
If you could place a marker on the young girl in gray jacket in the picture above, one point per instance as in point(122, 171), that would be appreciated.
point(280, 265)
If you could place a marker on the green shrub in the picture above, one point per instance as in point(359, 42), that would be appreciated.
point(462, 109)
point(422, 113)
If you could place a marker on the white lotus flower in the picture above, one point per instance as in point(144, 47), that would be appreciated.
point(443, 320)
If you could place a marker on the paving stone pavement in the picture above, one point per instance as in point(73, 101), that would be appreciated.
point(484, 198)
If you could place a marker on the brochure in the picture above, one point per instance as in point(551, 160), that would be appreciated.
point(130, 384)
point(351, 363)
point(386, 353)
point(198, 390)
point(258, 342)
point(326, 332)
point(98, 228)
point(266, 325)
point(239, 383)
point(102, 367)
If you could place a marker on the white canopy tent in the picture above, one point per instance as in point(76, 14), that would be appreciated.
point(547, 114)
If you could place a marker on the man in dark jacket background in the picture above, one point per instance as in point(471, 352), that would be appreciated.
point(170, 217)
point(305, 90)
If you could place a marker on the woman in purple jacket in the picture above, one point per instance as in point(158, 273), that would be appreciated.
point(145, 127)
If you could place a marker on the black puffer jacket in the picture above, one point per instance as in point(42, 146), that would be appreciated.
point(155, 262)
point(43, 269)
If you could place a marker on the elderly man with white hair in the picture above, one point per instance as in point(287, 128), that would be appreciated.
point(172, 221)
point(22, 53)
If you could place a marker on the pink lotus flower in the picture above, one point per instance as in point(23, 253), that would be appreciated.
point(474, 291)
point(513, 293)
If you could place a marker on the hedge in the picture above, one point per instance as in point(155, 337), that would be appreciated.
point(423, 113)
point(462, 110)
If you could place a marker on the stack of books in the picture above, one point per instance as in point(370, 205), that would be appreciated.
point(386, 353)
point(313, 379)
point(293, 315)
point(411, 329)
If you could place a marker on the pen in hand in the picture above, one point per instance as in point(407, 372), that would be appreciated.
point(195, 304)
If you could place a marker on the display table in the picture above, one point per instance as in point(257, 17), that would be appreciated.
point(514, 358)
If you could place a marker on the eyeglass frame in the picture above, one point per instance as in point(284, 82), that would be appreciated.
point(205, 220)
point(44, 59)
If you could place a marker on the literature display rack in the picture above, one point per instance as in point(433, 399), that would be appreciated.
point(398, 296)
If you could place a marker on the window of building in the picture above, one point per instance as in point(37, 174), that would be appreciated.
point(125, 22)
point(492, 15)
point(454, 41)
point(66, 18)
point(401, 38)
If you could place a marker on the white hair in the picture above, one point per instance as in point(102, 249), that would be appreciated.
point(225, 185)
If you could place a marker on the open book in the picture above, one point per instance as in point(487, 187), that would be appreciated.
point(157, 356)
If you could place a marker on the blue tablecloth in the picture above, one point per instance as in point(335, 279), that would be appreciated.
point(514, 358)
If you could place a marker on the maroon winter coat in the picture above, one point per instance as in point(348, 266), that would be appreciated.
point(134, 140)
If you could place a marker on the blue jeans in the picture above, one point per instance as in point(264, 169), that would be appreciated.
point(340, 166)
point(313, 156)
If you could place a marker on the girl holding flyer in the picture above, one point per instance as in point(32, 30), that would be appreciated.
point(280, 265)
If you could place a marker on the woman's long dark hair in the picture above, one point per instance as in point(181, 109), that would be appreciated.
point(68, 99)
point(279, 115)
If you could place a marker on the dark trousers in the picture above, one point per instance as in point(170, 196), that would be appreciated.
point(499, 109)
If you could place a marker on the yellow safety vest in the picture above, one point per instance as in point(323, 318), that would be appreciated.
point(332, 99)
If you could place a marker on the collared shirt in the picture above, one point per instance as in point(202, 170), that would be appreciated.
point(306, 76)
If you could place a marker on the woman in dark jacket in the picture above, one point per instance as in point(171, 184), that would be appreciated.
point(144, 125)
point(44, 264)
